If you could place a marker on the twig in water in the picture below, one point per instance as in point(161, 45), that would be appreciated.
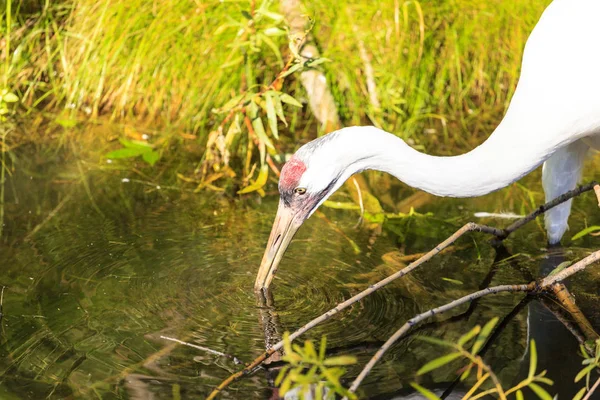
point(51, 215)
point(206, 349)
point(567, 272)
point(567, 302)
point(500, 234)
point(547, 206)
point(372, 288)
point(428, 314)
point(545, 284)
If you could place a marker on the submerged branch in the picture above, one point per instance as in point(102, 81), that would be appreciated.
point(500, 234)
point(567, 303)
point(544, 285)
point(400, 333)
point(324, 317)
point(567, 272)
point(547, 206)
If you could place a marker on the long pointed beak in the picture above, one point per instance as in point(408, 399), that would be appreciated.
point(284, 228)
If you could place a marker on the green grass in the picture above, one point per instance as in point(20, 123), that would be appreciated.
point(441, 67)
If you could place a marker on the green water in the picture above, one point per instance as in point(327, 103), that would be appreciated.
point(97, 268)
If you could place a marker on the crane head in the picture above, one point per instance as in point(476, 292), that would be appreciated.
point(302, 189)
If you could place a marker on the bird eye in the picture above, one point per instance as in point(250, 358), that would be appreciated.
point(300, 190)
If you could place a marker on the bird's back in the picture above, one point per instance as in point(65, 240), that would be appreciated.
point(559, 85)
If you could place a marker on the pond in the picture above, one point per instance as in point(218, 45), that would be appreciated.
point(98, 264)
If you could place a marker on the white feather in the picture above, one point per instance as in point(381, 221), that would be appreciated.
point(560, 173)
point(556, 103)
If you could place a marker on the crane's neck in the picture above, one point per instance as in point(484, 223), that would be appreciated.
point(506, 156)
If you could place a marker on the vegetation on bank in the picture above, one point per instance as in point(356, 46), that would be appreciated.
point(443, 71)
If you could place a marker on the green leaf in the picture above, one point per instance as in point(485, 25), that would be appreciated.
point(66, 122)
point(469, 335)
point(340, 360)
point(340, 205)
point(455, 281)
point(287, 345)
point(322, 347)
point(546, 381)
point(520, 395)
point(279, 107)
point(260, 181)
point(584, 351)
point(584, 372)
point(291, 70)
point(273, 47)
point(532, 359)
point(235, 61)
point(151, 157)
point(428, 394)
point(560, 267)
point(246, 15)
point(259, 129)
point(317, 61)
point(269, 14)
point(224, 27)
point(10, 98)
point(252, 110)
point(234, 101)
point(274, 31)
point(438, 362)
point(286, 385)
point(281, 375)
point(125, 153)
point(136, 144)
point(483, 335)
point(580, 394)
point(319, 391)
point(298, 349)
point(466, 374)
point(292, 358)
point(309, 349)
point(439, 342)
point(286, 98)
point(271, 114)
point(585, 232)
point(331, 376)
point(541, 392)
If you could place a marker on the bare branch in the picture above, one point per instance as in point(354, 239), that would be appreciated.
point(500, 234)
point(545, 284)
point(400, 333)
point(567, 272)
point(324, 317)
point(547, 206)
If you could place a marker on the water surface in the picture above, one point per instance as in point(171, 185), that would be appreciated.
point(98, 264)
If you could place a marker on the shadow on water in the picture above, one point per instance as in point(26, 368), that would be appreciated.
point(98, 267)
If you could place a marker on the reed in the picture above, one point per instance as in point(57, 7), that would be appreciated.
point(440, 67)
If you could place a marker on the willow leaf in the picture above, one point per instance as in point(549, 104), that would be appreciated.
point(271, 115)
point(438, 362)
point(429, 395)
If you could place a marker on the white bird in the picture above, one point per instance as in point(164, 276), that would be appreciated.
point(553, 118)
